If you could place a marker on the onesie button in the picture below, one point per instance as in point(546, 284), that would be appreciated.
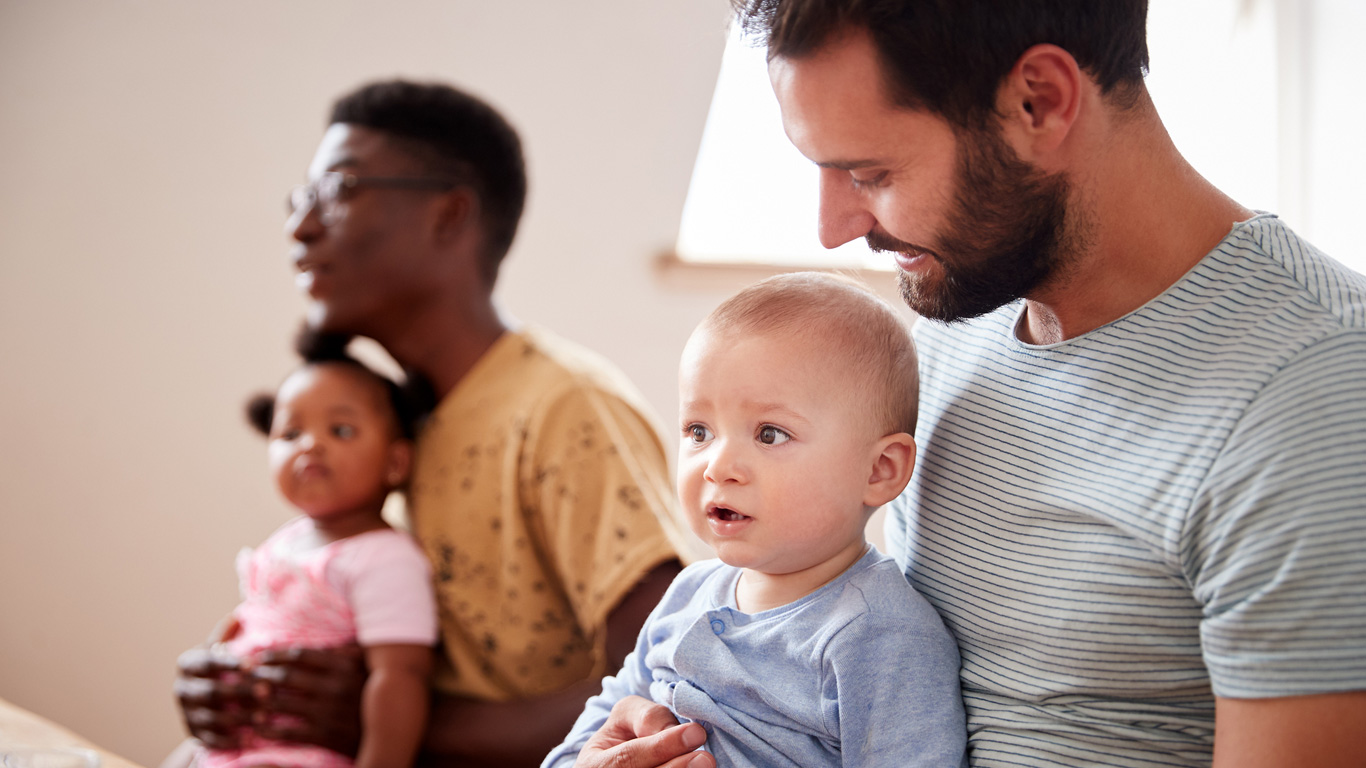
point(718, 626)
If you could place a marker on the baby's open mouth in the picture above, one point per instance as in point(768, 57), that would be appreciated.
point(728, 515)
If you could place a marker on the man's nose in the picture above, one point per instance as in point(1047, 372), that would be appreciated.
point(305, 223)
point(843, 215)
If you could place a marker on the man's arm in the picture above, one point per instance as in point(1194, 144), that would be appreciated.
point(465, 732)
point(1320, 731)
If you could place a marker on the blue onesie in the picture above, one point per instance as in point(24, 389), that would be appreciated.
point(860, 672)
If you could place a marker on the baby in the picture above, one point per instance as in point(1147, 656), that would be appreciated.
point(340, 440)
point(802, 645)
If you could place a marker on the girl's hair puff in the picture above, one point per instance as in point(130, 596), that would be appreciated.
point(409, 403)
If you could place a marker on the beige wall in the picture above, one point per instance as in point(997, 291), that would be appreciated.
point(145, 151)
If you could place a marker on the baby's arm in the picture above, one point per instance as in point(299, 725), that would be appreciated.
point(394, 705)
point(894, 673)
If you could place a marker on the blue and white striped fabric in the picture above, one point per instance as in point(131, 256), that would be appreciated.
point(1173, 506)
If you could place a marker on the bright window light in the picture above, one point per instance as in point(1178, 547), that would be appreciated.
point(1235, 111)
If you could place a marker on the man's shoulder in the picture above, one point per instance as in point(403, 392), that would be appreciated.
point(531, 370)
point(1266, 269)
point(554, 364)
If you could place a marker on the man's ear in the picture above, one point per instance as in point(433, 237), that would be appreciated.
point(456, 213)
point(1039, 100)
point(893, 463)
point(398, 463)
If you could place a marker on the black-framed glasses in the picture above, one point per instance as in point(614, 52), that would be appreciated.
point(329, 188)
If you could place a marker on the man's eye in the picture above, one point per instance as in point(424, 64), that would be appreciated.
point(697, 433)
point(871, 182)
point(344, 431)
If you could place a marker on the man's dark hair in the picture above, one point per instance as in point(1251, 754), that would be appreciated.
point(948, 57)
point(459, 136)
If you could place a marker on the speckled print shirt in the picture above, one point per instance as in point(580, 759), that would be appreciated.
point(542, 496)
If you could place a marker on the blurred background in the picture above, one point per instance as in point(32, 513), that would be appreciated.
point(146, 147)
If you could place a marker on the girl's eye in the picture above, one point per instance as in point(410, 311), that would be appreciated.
point(344, 431)
point(697, 433)
point(771, 435)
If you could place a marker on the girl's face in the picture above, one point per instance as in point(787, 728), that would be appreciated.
point(334, 448)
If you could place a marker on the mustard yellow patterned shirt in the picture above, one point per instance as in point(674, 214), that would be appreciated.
point(541, 493)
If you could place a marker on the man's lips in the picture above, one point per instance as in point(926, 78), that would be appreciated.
point(910, 261)
point(907, 256)
point(311, 275)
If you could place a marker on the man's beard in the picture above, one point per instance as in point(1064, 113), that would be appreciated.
point(1004, 237)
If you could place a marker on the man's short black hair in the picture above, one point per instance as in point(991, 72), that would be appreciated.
point(458, 135)
point(948, 57)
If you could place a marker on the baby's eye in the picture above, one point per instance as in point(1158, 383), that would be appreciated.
point(697, 433)
point(771, 435)
point(289, 435)
point(344, 431)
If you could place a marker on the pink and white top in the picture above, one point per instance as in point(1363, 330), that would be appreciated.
point(374, 588)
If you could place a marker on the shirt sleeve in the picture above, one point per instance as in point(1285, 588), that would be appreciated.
point(599, 481)
point(633, 679)
point(387, 580)
point(1274, 547)
point(891, 689)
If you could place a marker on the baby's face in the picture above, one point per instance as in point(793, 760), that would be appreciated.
point(330, 442)
point(775, 451)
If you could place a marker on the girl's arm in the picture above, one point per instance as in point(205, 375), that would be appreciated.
point(394, 705)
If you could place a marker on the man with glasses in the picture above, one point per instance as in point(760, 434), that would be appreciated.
point(540, 489)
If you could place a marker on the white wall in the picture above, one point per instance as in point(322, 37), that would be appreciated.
point(145, 150)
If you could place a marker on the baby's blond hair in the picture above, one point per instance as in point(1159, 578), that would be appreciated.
point(849, 323)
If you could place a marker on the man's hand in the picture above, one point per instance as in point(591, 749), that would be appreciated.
point(319, 687)
point(641, 734)
point(215, 696)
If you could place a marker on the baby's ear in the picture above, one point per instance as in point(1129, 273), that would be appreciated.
point(893, 462)
point(399, 463)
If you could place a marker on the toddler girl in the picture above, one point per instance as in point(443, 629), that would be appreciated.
point(340, 440)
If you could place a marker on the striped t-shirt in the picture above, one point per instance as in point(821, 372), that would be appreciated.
point(1172, 506)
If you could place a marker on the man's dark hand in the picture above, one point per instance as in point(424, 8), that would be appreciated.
point(215, 696)
point(319, 688)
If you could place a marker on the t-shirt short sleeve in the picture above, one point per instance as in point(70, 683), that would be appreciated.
point(599, 498)
point(387, 580)
point(1277, 551)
